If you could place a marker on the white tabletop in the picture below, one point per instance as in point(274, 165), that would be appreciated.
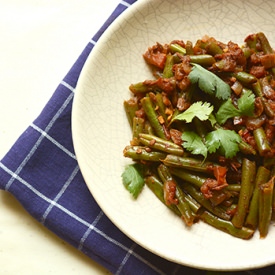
point(40, 41)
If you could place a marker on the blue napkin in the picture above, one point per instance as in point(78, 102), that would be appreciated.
point(41, 171)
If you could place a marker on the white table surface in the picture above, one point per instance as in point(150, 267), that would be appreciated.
point(40, 41)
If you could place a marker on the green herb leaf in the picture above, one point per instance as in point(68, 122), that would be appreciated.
point(228, 110)
point(246, 104)
point(193, 143)
point(209, 82)
point(201, 110)
point(133, 178)
point(226, 141)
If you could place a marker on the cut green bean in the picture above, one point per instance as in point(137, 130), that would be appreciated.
point(148, 129)
point(177, 48)
point(265, 206)
point(257, 89)
point(266, 48)
point(246, 148)
point(168, 68)
point(205, 60)
point(247, 182)
point(199, 197)
point(153, 117)
point(261, 141)
point(245, 78)
point(131, 106)
point(182, 204)
point(138, 88)
point(226, 226)
point(189, 163)
point(156, 186)
point(161, 108)
point(252, 218)
point(160, 144)
point(138, 127)
point(188, 176)
point(189, 48)
point(142, 153)
point(213, 48)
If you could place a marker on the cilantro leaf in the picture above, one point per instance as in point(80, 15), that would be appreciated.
point(201, 110)
point(246, 104)
point(132, 178)
point(224, 140)
point(193, 143)
point(209, 82)
point(228, 110)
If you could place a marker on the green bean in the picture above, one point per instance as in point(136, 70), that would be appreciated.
point(247, 52)
point(266, 48)
point(142, 153)
point(138, 127)
point(160, 144)
point(148, 129)
point(261, 141)
point(177, 48)
point(199, 197)
point(130, 106)
point(188, 176)
point(187, 214)
point(262, 176)
point(226, 226)
point(245, 78)
point(156, 186)
point(251, 41)
point(205, 60)
point(257, 89)
point(138, 88)
point(194, 205)
point(189, 163)
point(233, 187)
point(265, 206)
point(213, 48)
point(168, 68)
point(272, 174)
point(152, 117)
point(247, 182)
point(183, 206)
point(246, 148)
point(189, 48)
point(161, 108)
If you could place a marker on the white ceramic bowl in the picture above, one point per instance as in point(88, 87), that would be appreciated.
point(101, 131)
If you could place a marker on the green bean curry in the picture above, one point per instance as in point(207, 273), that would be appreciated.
point(203, 131)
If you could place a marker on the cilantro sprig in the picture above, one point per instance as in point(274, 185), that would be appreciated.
point(226, 141)
point(209, 82)
point(222, 140)
point(193, 143)
point(133, 178)
point(199, 109)
point(228, 110)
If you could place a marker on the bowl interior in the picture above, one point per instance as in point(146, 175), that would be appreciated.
point(101, 130)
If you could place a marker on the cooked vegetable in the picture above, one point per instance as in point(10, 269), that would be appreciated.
point(204, 132)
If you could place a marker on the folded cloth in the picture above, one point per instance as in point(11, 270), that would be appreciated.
point(42, 172)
